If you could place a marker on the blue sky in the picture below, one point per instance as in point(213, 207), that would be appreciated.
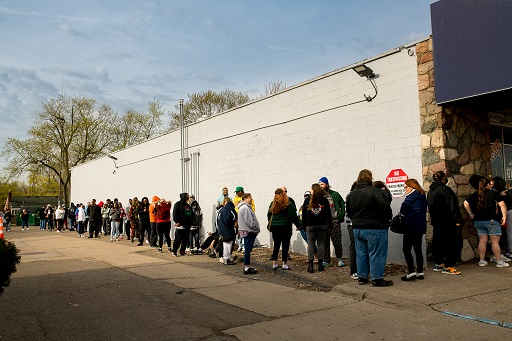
point(126, 52)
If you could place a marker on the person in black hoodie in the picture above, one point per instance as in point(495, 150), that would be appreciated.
point(446, 219)
point(197, 222)
point(369, 209)
point(182, 217)
point(143, 212)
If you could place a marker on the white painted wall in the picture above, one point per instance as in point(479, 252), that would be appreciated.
point(273, 142)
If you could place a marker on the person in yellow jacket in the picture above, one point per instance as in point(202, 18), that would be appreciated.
point(236, 201)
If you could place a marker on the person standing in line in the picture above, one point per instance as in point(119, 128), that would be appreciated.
point(482, 207)
point(134, 219)
point(283, 214)
point(105, 217)
point(153, 239)
point(302, 226)
point(248, 227)
point(162, 213)
point(446, 218)
point(414, 210)
point(94, 219)
point(115, 216)
point(86, 224)
point(72, 217)
point(197, 222)
point(50, 214)
point(80, 218)
point(239, 191)
point(60, 215)
point(221, 198)
point(24, 219)
point(127, 224)
point(42, 219)
point(226, 219)
point(369, 209)
point(337, 205)
point(122, 223)
point(352, 245)
point(143, 212)
point(182, 217)
point(316, 219)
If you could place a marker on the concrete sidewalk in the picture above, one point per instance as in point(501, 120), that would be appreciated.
point(474, 305)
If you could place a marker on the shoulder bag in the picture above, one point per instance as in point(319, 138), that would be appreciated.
point(398, 224)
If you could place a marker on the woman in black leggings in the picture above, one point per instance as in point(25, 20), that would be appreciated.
point(283, 214)
point(414, 209)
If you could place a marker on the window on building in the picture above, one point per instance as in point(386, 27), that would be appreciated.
point(501, 152)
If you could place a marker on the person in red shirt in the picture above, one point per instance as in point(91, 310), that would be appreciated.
point(163, 222)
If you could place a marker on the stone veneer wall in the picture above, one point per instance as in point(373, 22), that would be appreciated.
point(453, 139)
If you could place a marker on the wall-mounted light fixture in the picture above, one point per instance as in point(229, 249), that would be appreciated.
point(364, 71)
point(113, 158)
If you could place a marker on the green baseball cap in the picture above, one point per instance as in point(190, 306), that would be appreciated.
point(239, 189)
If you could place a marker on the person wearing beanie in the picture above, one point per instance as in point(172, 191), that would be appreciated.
point(337, 205)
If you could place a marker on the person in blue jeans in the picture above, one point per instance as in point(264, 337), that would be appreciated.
point(248, 227)
point(369, 209)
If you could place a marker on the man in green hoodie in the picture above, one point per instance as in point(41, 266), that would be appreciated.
point(337, 205)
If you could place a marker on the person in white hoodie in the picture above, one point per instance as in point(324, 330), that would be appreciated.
point(59, 216)
point(80, 218)
point(248, 228)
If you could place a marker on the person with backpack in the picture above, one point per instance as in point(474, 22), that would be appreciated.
point(316, 220)
point(337, 206)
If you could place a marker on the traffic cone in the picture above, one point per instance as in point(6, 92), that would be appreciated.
point(1, 228)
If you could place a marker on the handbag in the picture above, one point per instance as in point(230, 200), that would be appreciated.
point(398, 224)
point(269, 225)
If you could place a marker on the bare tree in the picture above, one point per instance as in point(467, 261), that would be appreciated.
point(206, 104)
point(66, 132)
point(273, 87)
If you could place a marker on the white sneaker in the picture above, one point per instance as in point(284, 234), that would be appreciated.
point(28, 228)
point(221, 260)
point(482, 263)
point(502, 264)
point(503, 258)
point(354, 276)
point(147, 241)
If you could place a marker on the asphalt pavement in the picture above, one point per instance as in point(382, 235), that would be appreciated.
point(69, 288)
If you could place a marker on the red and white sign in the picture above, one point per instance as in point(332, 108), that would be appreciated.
point(395, 182)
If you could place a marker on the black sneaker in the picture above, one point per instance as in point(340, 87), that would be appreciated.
point(159, 250)
point(381, 282)
point(229, 262)
point(409, 277)
point(362, 281)
point(250, 271)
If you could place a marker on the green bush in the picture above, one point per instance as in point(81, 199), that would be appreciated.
point(8, 260)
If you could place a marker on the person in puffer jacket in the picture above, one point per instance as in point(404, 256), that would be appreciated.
point(226, 219)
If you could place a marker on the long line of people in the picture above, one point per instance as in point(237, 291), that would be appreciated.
point(368, 215)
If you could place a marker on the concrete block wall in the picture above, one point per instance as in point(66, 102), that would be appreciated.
point(322, 127)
